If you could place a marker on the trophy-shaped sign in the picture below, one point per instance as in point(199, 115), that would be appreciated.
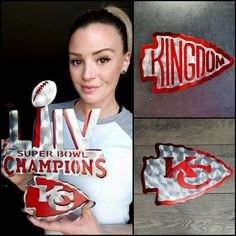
point(46, 158)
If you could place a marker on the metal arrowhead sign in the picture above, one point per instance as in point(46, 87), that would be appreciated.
point(179, 173)
point(49, 198)
point(176, 62)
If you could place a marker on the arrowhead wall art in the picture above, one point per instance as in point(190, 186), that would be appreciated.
point(176, 62)
point(179, 173)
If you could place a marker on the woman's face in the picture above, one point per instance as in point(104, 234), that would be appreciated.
point(96, 60)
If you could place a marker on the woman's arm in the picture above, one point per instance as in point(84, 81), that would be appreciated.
point(20, 180)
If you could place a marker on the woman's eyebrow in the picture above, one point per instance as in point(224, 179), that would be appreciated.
point(75, 54)
point(94, 53)
point(104, 49)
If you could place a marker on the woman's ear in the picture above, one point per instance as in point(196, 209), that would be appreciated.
point(126, 62)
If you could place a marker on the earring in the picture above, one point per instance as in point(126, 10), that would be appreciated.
point(123, 72)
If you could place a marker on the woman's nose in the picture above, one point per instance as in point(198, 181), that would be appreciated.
point(88, 72)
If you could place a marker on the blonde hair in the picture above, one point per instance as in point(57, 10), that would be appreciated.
point(126, 20)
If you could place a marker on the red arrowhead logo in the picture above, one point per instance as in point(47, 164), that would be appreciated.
point(49, 198)
point(179, 173)
point(176, 62)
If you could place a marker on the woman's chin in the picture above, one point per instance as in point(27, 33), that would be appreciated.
point(89, 99)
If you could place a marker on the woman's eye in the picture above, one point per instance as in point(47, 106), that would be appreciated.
point(75, 62)
point(103, 60)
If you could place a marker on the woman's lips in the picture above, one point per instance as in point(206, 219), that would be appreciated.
point(89, 88)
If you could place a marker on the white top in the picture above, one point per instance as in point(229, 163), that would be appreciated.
point(113, 193)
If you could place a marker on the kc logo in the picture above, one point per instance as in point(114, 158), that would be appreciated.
point(54, 197)
point(179, 173)
point(185, 169)
point(50, 198)
point(176, 62)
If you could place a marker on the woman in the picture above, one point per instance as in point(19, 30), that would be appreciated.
point(100, 48)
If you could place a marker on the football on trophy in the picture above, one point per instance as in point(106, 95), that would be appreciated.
point(44, 93)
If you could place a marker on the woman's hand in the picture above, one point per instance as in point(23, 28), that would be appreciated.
point(20, 180)
point(84, 224)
